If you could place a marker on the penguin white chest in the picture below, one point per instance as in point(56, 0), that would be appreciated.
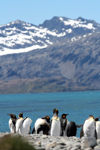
point(98, 129)
point(11, 126)
point(55, 128)
point(89, 128)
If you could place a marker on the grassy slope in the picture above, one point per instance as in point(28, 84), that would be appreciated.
point(39, 86)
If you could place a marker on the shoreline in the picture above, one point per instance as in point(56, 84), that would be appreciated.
point(47, 142)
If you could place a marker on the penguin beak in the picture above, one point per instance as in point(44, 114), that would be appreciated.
point(98, 117)
point(9, 115)
point(67, 114)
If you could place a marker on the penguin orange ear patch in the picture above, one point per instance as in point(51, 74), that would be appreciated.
point(63, 116)
point(47, 117)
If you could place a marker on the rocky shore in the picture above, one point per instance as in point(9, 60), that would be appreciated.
point(44, 142)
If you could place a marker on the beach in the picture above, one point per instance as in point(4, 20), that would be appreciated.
point(47, 142)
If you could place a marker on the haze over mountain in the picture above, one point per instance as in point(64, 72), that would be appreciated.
point(61, 54)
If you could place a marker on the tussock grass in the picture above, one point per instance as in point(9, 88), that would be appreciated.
point(10, 142)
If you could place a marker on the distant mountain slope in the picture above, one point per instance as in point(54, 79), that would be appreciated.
point(19, 36)
point(70, 63)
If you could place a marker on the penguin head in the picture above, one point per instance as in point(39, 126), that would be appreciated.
point(97, 119)
point(63, 116)
point(63, 121)
point(55, 112)
point(13, 116)
point(20, 115)
point(91, 116)
point(47, 118)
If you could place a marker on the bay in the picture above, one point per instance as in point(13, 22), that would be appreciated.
point(79, 105)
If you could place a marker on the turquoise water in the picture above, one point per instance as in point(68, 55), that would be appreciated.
point(79, 105)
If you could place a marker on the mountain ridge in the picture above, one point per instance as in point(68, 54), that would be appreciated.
point(18, 34)
point(60, 58)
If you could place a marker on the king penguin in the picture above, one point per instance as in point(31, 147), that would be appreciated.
point(89, 127)
point(55, 124)
point(42, 126)
point(64, 122)
point(71, 129)
point(97, 127)
point(23, 125)
point(12, 122)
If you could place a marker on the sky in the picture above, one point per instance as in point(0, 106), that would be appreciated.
point(37, 11)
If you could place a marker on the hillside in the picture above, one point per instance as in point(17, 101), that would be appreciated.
point(70, 63)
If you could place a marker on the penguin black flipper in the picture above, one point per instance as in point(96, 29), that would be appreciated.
point(81, 133)
point(79, 126)
point(30, 130)
point(95, 134)
point(33, 131)
point(24, 119)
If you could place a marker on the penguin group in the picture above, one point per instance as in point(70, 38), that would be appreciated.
point(19, 125)
point(57, 126)
point(54, 127)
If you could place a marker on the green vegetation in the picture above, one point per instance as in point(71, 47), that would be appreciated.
point(39, 85)
point(9, 142)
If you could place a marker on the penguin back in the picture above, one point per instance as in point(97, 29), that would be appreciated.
point(71, 129)
point(26, 124)
point(19, 124)
point(38, 122)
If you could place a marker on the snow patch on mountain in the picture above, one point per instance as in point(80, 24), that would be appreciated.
point(69, 30)
point(23, 50)
point(19, 36)
point(77, 23)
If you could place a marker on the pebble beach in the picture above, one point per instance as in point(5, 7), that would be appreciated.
point(46, 142)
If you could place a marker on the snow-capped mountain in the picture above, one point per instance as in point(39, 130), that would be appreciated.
point(19, 36)
point(63, 55)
